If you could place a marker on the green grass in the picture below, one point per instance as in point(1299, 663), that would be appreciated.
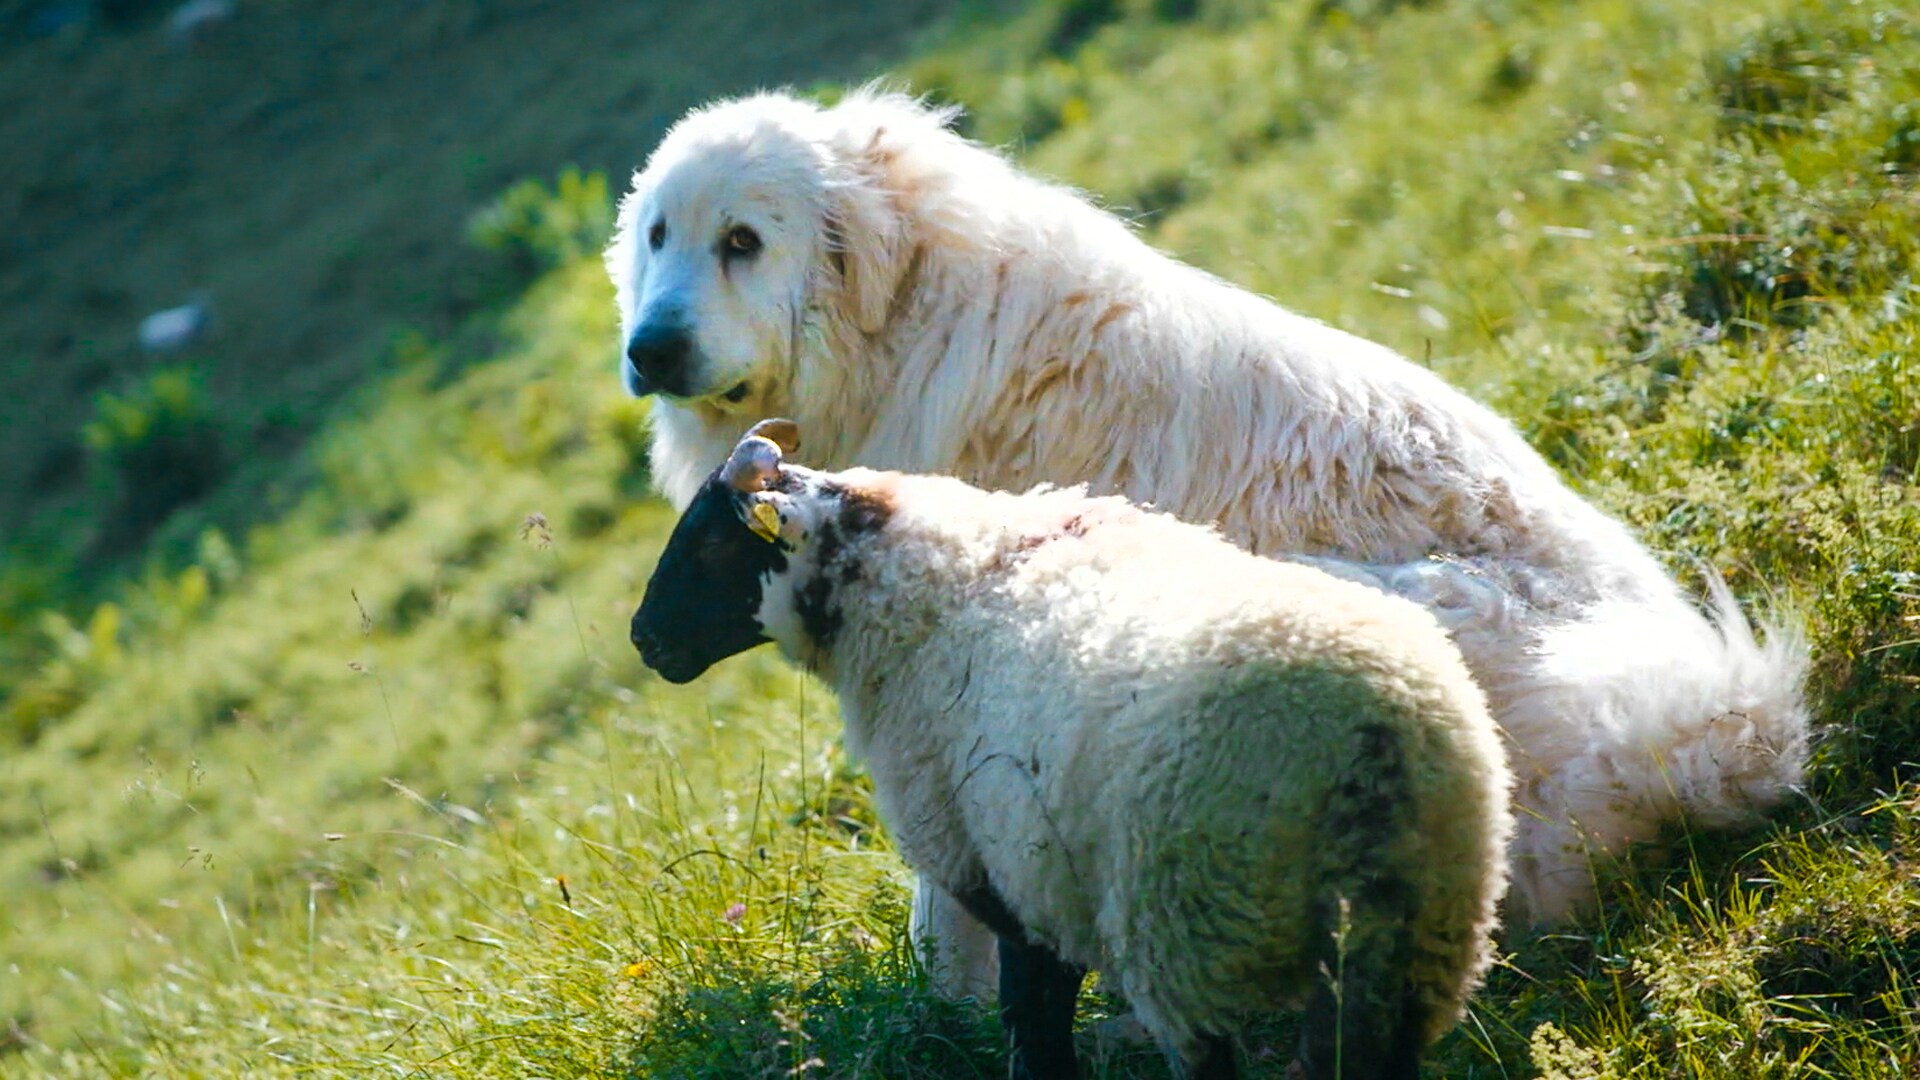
point(380, 789)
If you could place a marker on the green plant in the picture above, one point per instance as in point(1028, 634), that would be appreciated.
point(531, 227)
point(155, 448)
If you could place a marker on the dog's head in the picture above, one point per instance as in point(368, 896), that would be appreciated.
point(750, 218)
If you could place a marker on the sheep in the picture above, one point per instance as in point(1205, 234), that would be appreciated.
point(1226, 782)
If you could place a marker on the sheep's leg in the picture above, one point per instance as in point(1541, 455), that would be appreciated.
point(1037, 991)
point(1037, 994)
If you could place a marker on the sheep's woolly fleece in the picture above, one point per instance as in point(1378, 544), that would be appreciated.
point(919, 303)
point(1172, 760)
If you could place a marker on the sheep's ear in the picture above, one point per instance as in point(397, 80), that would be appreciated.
point(867, 236)
point(781, 432)
point(753, 465)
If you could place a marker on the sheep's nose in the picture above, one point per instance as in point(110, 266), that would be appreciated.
point(645, 640)
point(659, 355)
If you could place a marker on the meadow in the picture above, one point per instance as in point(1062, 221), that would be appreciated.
point(370, 782)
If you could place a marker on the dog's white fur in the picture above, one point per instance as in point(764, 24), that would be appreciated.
point(922, 305)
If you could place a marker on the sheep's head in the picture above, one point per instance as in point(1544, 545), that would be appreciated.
point(741, 567)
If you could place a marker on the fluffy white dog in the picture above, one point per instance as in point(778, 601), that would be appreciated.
point(917, 303)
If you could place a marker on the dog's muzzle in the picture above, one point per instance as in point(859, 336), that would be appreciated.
point(630, 378)
point(659, 358)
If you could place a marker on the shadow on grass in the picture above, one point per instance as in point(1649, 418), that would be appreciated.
point(868, 1014)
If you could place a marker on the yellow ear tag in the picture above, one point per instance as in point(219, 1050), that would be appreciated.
point(764, 520)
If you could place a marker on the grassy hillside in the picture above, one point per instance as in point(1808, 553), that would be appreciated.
point(381, 789)
point(307, 170)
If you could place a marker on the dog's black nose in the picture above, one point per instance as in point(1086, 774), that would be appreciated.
point(661, 351)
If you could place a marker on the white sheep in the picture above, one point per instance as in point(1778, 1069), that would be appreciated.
point(1226, 782)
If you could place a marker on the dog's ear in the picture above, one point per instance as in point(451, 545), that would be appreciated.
point(868, 236)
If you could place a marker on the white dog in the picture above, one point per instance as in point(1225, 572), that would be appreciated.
point(917, 303)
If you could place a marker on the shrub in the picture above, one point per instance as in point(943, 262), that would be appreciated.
point(155, 449)
point(77, 659)
point(532, 228)
point(1079, 20)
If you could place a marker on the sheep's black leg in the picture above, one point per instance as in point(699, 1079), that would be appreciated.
point(1038, 991)
point(1037, 994)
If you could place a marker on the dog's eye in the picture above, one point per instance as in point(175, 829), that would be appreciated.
point(658, 234)
point(742, 241)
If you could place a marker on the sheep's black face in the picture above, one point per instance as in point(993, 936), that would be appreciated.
point(703, 601)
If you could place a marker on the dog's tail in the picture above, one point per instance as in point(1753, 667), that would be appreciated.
point(1621, 716)
point(1686, 710)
